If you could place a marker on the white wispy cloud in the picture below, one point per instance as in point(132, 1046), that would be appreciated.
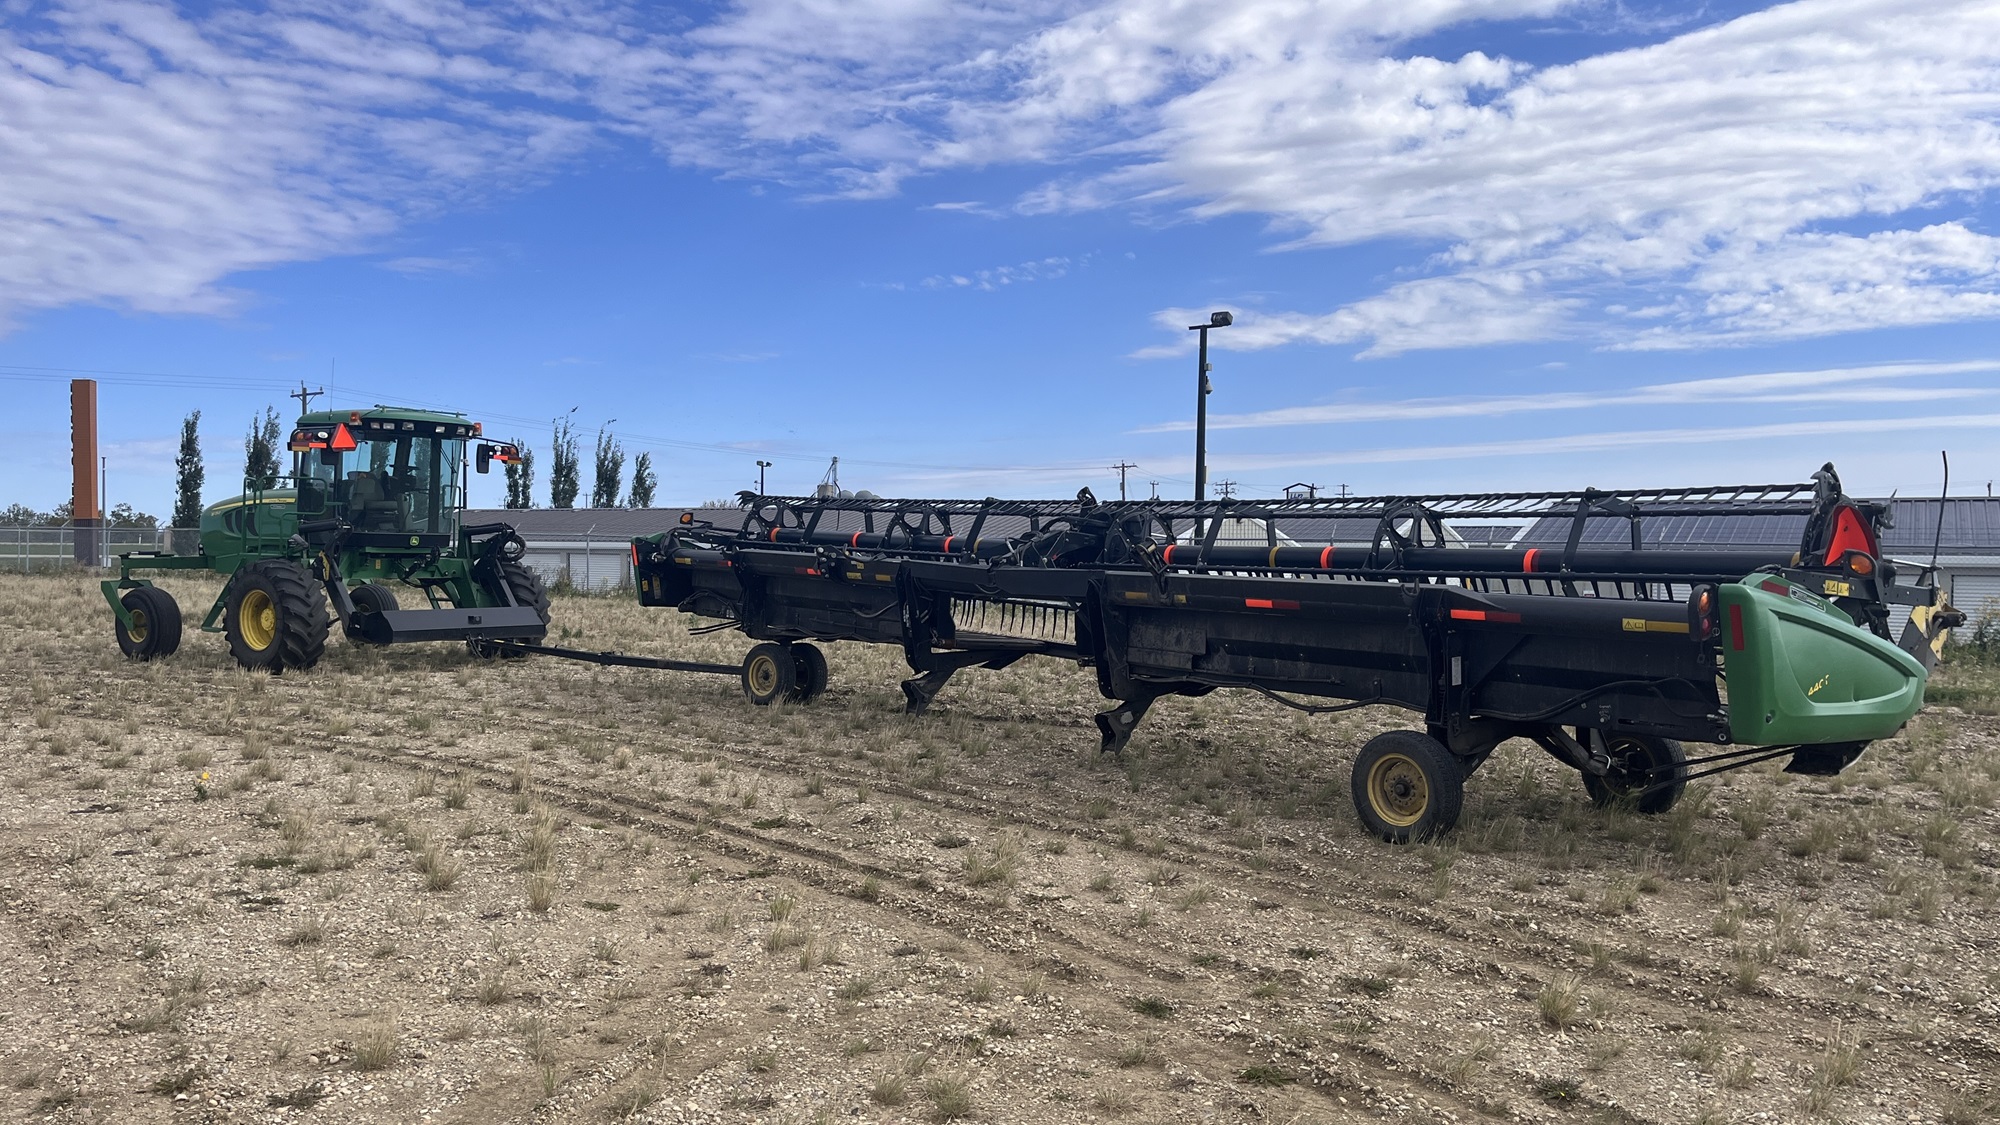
point(1788, 173)
point(998, 277)
point(417, 266)
point(1598, 442)
point(1824, 386)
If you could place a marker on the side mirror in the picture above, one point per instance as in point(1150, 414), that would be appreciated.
point(313, 494)
point(487, 453)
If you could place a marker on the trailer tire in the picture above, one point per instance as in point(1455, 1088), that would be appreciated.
point(769, 674)
point(156, 623)
point(809, 670)
point(275, 617)
point(1634, 760)
point(1407, 787)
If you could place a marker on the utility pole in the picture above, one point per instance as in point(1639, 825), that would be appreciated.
point(1120, 468)
point(305, 397)
point(1156, 488)
point(1227, 488)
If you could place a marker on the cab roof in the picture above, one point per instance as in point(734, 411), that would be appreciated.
point(449, 423)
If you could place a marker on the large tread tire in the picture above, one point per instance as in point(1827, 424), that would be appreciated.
point(1407, 787)
point(769, 674)
point(373, 597)
point(1639, 760)
point(369, 597)
point(527, 589)
point(809, 668)
point(156, 624)
point(275, 617)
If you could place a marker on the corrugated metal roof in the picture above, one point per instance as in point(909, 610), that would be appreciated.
point(1969, 524)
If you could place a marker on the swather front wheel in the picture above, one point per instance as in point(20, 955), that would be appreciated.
point(1407, 787)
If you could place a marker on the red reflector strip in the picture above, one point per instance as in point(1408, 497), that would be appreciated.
point(1485, 615)
point(1269, 603)
point(635, 554)
point(1736, 627)
point(1528, 560)
point(1770, 587)
point(806, 570)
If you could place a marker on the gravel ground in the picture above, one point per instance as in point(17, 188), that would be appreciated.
point(413, 887)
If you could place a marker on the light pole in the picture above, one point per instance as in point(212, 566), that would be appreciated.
point(761, 466)
point(1201, 389)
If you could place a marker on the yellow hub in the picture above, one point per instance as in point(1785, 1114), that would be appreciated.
point(1397, 790)
point(763, 675)
point(257, 619)
point(137, 629)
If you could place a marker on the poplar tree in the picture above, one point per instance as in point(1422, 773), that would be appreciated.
point(643, 482)
point(563, 479)
point(188, 474)
point(610, 471)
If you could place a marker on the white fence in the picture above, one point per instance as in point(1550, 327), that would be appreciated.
point(29, 549)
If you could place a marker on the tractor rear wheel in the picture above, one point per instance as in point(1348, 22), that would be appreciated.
point(529, 593)
point(1637, 762)
point(1407, 786)
point(769, 674)
point(275, 617)
point(372, 597)
point(156, 623)
point(809, 668)
point(527, 588)
point(369, 597)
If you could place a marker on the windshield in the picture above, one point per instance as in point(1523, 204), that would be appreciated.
point(407, 483)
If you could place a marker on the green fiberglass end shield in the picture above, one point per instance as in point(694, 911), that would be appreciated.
point(1801, 671)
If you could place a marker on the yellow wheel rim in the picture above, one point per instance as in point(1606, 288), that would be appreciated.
point(763, 675)
point(1397, 790)
point(257, 619)
point(137, 629)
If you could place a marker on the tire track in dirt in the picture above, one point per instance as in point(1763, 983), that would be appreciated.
point(1680, 991)
point(1099, 961)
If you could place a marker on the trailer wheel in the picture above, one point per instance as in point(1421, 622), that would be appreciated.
point(156, 623)
point(1639, 760)
point(769, 674)
point(275, 618)
point(1407, 787)
point(809, 669)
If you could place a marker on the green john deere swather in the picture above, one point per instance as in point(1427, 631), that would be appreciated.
point(372, 506)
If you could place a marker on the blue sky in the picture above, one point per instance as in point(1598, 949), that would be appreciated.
point(1513, 244)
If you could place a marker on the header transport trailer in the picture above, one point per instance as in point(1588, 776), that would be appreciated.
point(1608, 656)
point(372, 505)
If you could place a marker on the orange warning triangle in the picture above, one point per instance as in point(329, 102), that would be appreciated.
point(343, 440)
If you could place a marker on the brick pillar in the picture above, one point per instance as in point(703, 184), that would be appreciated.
point(86, 521)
